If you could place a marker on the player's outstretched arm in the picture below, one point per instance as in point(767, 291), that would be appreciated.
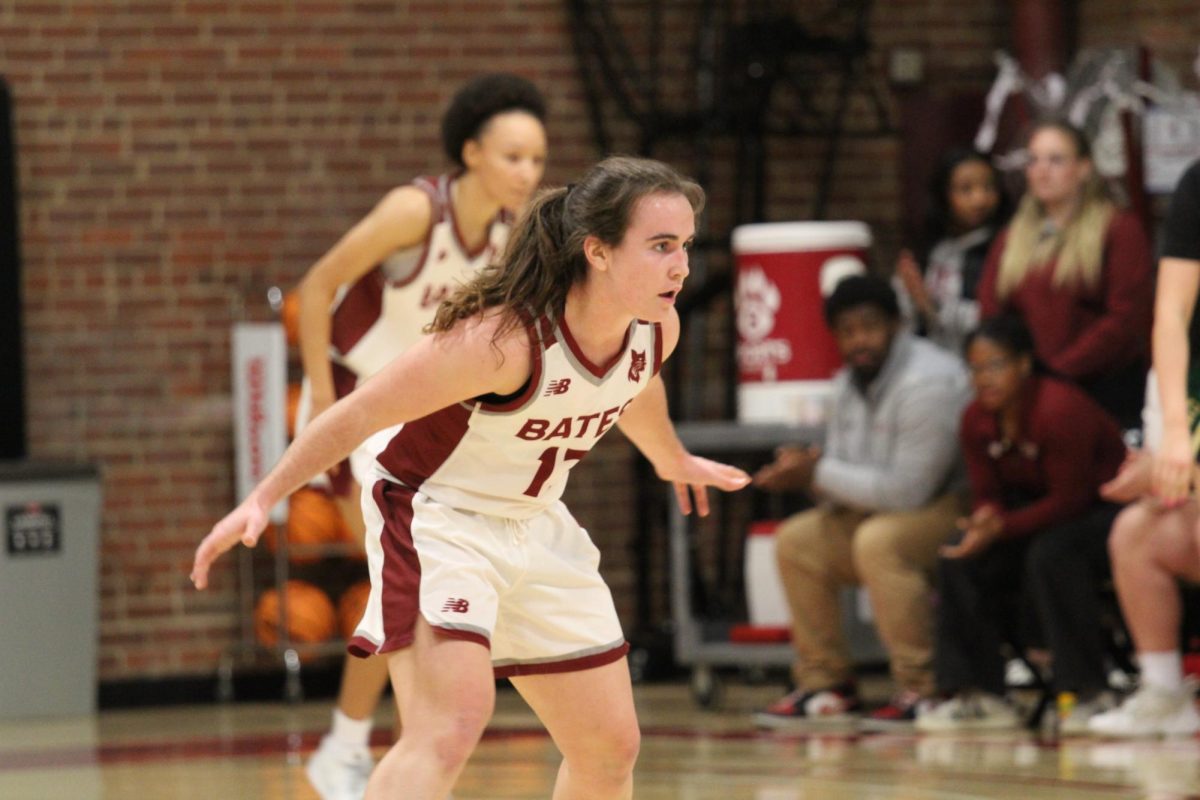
point(437, 372)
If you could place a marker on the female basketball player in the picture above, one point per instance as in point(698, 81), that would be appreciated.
point(369, 297)
point(1155, 542)
point(475, 564)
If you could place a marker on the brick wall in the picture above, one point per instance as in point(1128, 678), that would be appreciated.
point(179, 157)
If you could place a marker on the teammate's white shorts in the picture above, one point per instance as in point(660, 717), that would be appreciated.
point(529, 589)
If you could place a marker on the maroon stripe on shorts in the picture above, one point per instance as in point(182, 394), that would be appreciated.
point(462, 636)
point(401, 572)
point(566, 665)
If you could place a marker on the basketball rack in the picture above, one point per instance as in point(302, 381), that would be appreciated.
point(260, 429)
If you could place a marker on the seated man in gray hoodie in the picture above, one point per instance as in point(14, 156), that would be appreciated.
point(888, 488)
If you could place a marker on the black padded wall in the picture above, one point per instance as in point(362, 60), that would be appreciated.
point(12, 377)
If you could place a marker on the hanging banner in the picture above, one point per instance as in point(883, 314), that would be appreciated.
point(259, 405)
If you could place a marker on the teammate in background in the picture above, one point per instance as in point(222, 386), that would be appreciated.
point(370, 296)
point(1155, 542)
point(477, 568)
point(966, 209)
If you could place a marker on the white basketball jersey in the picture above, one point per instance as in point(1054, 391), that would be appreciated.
point(385, 311)
point(509, 456)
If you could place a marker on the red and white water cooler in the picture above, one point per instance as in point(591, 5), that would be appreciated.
point(786, 354)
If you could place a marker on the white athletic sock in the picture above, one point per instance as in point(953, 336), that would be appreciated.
point(349, 731)
point(1163, 669)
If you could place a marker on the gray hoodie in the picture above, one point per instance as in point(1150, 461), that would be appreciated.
point(895, 447)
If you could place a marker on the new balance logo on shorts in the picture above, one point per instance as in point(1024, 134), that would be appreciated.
point(457, 605)
point(559, 386)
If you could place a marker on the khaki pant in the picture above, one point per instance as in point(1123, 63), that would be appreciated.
point(894, 555)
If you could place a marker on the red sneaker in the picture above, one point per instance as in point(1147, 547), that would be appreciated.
point(836, 705)
point(899, 713)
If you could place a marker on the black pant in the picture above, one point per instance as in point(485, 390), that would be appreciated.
point(1053, 578)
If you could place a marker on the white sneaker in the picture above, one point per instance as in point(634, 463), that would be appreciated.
point(1075, 722)
point(338, 771)
point(968, 712)
point(1151, 711)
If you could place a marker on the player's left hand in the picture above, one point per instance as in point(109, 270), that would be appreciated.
point(693, 474)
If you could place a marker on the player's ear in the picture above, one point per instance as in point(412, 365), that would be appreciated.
point(596, 252)
point(471, 153)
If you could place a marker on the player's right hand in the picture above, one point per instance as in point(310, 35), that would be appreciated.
point(244, 524)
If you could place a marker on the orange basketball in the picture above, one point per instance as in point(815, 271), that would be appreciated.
point(313, 518)
point(289, 314)
point(293, 404)
point(310, 615)
point(351, 605)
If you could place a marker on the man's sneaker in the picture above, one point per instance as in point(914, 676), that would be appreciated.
point(968, 712)
point(900, 713)
point(838, 705)
point(338, 771)
point(1151, 711)
point(1074, 721)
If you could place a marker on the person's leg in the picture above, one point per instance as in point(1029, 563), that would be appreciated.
point(591, 718)
point(813, 552)
point(350, 507)
point(895, 556)
point(968, 653)
point(445, 691)
point(1151, 550)
point(1065, 567)
point(342, 763)
point(363, 679)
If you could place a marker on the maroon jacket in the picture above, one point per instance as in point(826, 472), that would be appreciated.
point(1080, 332)
point(1067, 446)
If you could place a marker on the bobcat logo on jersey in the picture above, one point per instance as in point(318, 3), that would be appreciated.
point(557, 387)
point(637, 363)
point(457, 605)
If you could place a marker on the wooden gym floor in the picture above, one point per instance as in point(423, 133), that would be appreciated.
point(257, 751)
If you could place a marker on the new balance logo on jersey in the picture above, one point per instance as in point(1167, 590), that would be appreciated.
point(456, 605)
point(559, 386)
point(637, 363)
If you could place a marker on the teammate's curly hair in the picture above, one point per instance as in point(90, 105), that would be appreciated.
point(544, 257)
point(481, 99)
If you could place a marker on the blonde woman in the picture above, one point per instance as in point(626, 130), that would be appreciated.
point(1078, 271)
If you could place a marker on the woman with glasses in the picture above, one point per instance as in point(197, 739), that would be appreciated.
point(1078, 271)
point(1037, 450)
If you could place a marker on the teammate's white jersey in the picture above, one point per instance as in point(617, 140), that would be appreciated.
point(385, 311)
point(509, 456)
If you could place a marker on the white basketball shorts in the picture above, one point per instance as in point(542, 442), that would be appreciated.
point(530, 590)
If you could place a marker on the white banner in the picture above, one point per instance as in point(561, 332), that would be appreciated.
point(259, 404)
